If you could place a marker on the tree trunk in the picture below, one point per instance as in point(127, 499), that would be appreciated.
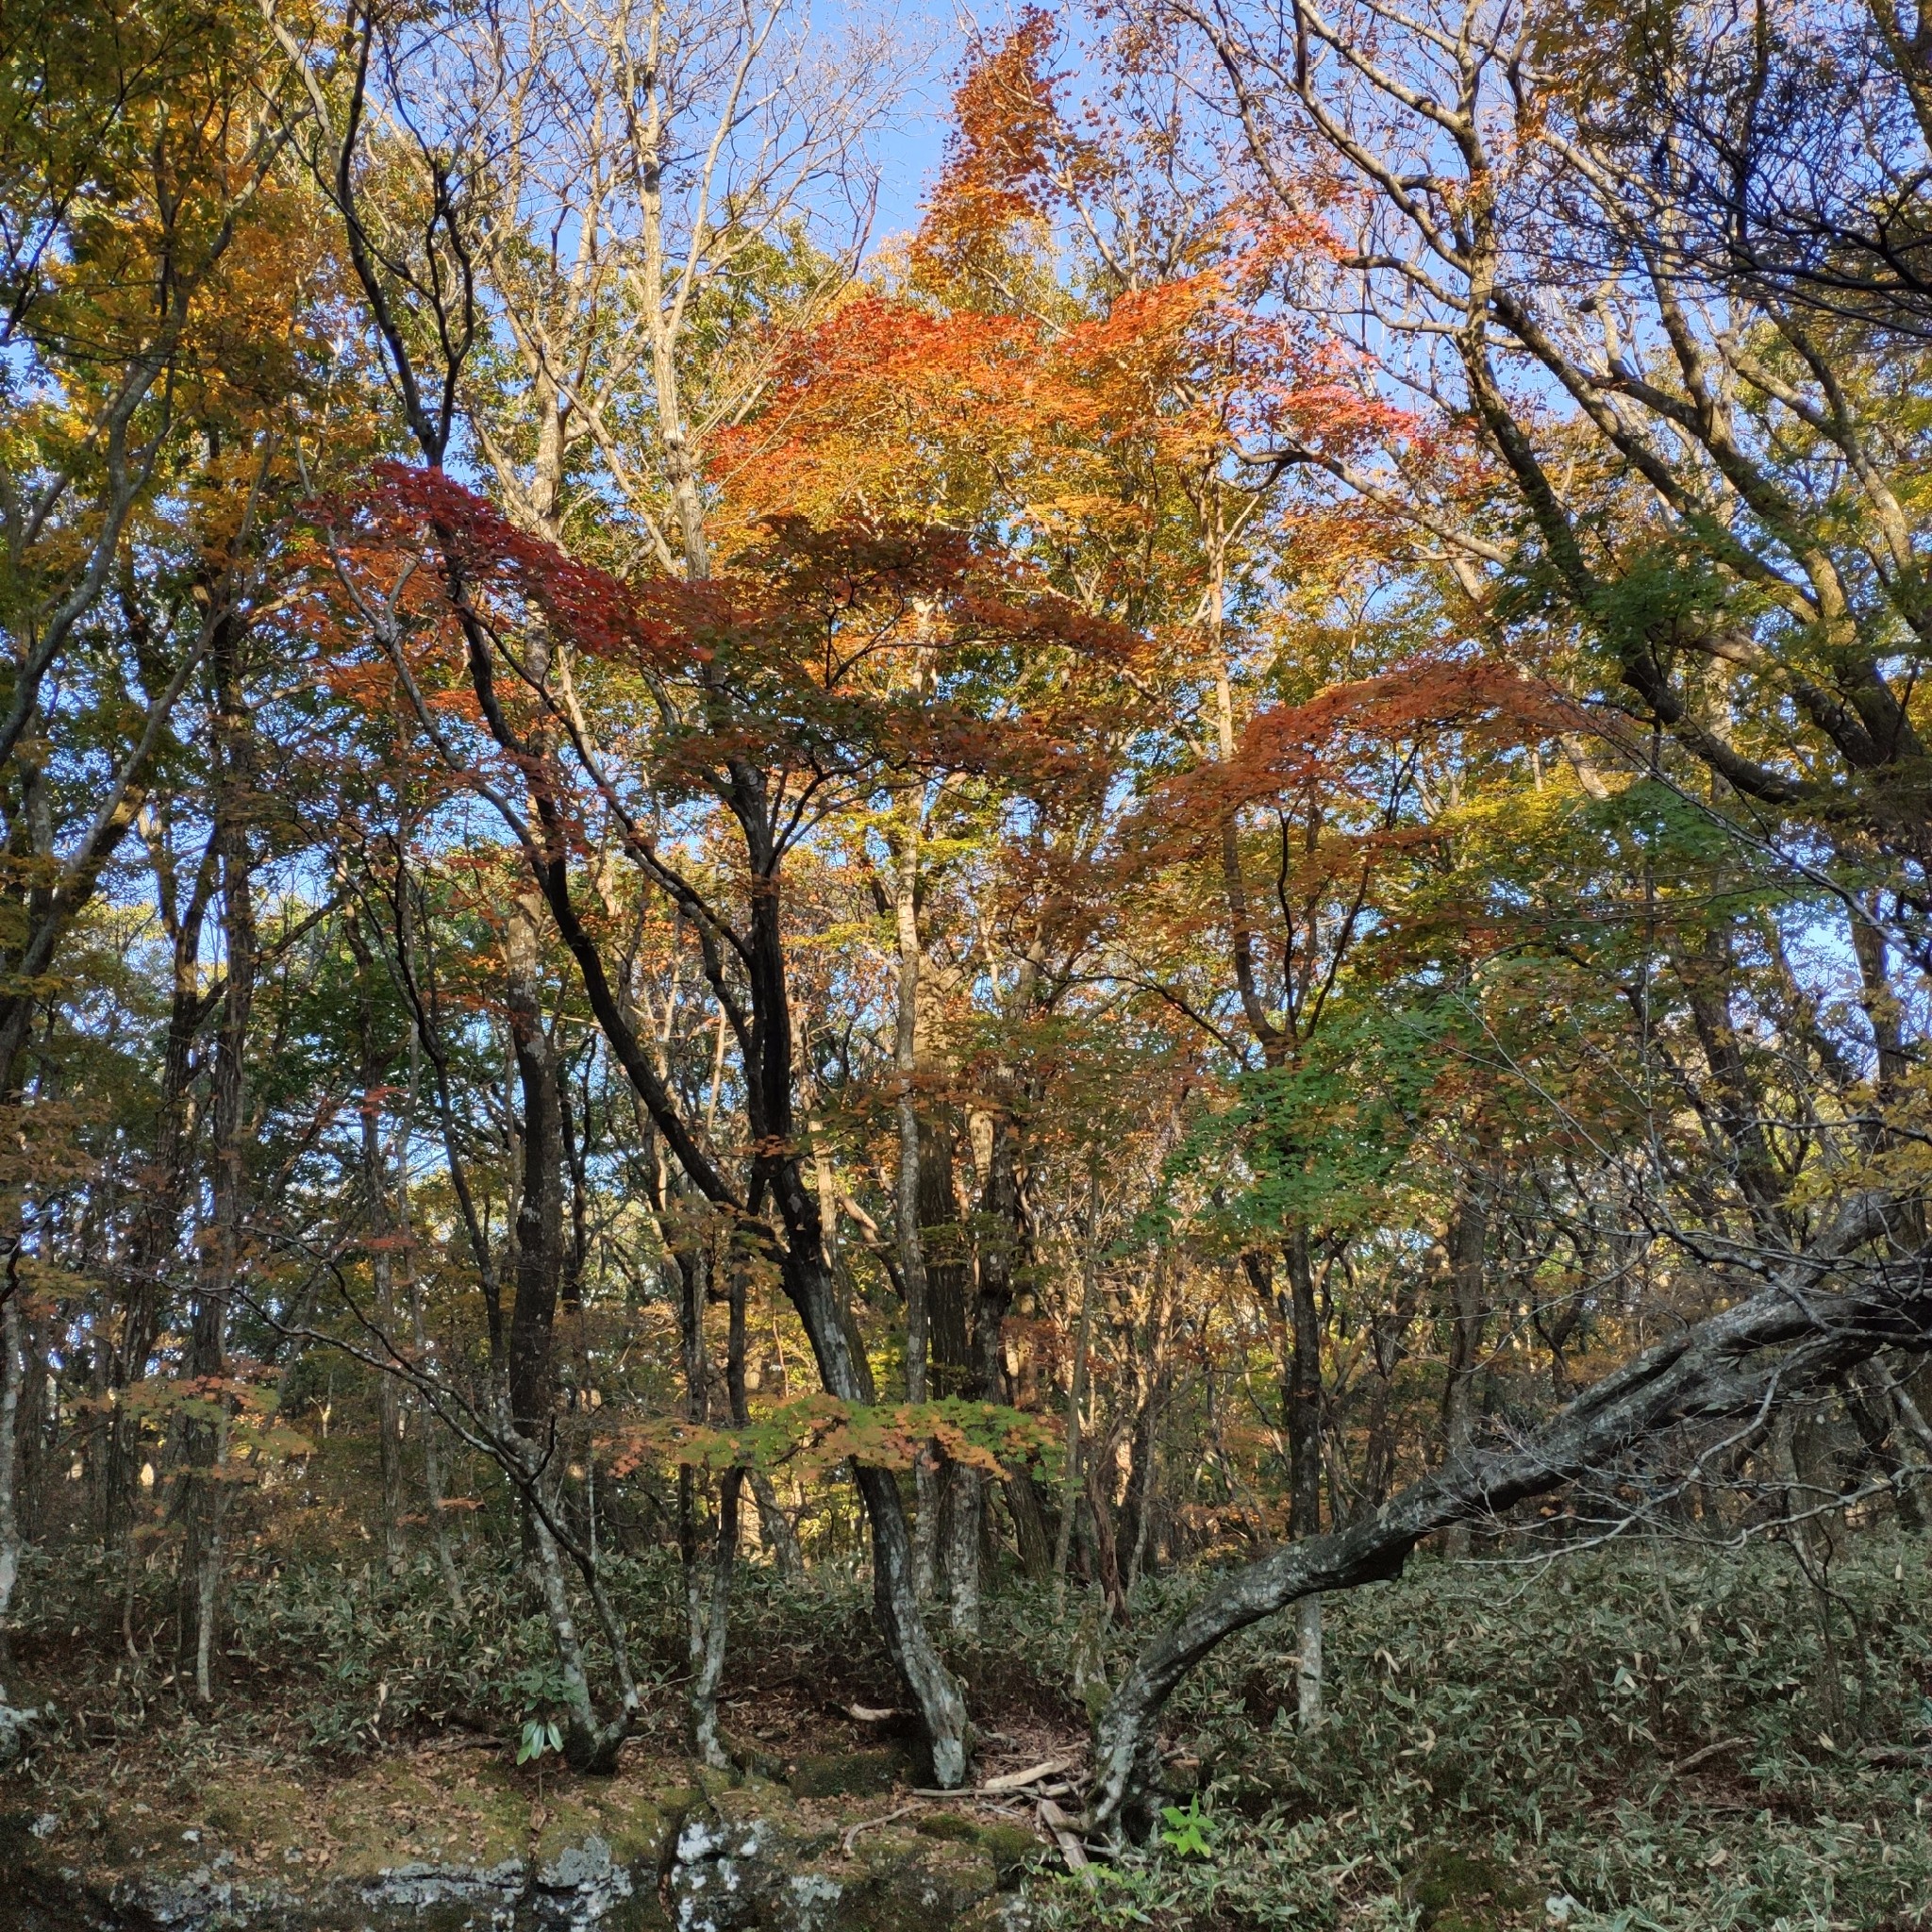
point(906, 1192)
point(809, 1288)
point(1467, 1237)
point(158, 1226)
point(711, 1620)
point(1077, 1393)
point(205, 1498)
point(540, 1203)
point(1389, 1331)
point(1796, 1335)
point(775, 1529)
point(1151, 1369)
point(12, 1371)
point(950, 1356)
point(1301, 1417)
point(389, 1419)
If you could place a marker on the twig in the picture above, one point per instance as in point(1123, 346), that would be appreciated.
point(869, 1823)
point(1705, 1755)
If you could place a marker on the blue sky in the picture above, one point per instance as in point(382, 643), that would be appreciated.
point(910, 151)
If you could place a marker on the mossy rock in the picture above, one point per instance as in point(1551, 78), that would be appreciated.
point(1458, 1891)
point(1013, 1849)
point(912, 1887)
point(847, 1773)
point(949, 1825)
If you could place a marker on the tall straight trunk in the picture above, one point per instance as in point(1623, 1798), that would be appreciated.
point(950, 1365)
point(1076, 1391)
point(1301, 1397)
point(13, 1373)
point(389, 1390)
point(1467, 1237)
point(591, 1743)
point(158, 1224)
point(419, 1336)
point(905, 1193)
point(207, 1444)
point(693, 1261)
point(710, 1640)
point(1807, 1529)
point(376, 1235)
point(775, 1530)
point(1151, 1370)
point(1388, 1333)
point(1106, 1559)
point(1002, 1240)
point(965, 1531)
point(1302, 1416)
point(539, 1241)
point(1707, 976)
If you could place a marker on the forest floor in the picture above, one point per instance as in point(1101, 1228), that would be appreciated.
point(1649, 1738)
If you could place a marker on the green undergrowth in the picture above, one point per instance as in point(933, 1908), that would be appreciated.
point(1649, 1737)
point(1640, 1740)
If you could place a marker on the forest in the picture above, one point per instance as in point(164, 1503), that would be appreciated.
point(966, 973)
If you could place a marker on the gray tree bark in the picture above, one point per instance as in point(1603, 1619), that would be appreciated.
point(1743, 1363)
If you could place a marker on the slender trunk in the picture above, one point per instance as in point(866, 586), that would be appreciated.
point(1076, 1394)
point(389, 1390)
point(12, 1373)
point(712, 1628)
point(377, 1245)
point(710, 1660)
point(965, 1500)
point(1389, 1332)
point(1307, 1670)
point(207, 1442)
point(540, 1203)
point(693, 1262)
point(158, 1226)
point(1303, 1417)
point(419, 1335)
point(432, 1470)
point(776, 1531)
point(590, 1744)
point(999, 1245)
point(1302, 1404)
point(1106, 1542)
point(585, 1746)
point(906, 1198)
point(1467, 1236)
point(1808, 1530)
point(949, 1368)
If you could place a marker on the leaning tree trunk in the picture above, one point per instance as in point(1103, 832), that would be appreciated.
point(809, 1284)
point(1791, 1337)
